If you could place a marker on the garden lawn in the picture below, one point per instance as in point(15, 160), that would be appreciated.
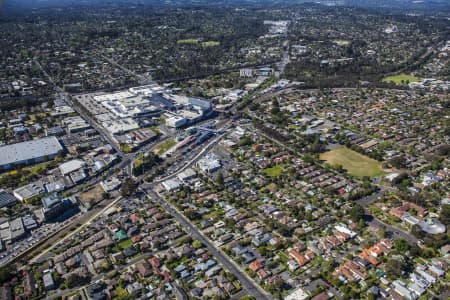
point(355, 163)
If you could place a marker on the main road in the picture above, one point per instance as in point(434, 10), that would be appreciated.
point(247, 283)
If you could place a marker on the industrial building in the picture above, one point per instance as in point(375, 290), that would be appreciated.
point(171, 184)
point(75, 124)
point(12, 231)
point(29, 152)
point(187, 175)
point(6, 199)
point(29, 191)
point(203, 104)
point(71, 166)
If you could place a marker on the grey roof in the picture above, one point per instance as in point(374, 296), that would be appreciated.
point(29, 222)
point(6, 199)
point(48, 281)
point(50, 201)
point(432, 226)
point(30, 190)
point(24, 151)
point(205, 104)
point(16, 228)
point(71, 166)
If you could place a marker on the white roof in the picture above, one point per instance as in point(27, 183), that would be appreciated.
point(344, 229)
point(186, 174)
point(298, 294)
point(402, 290)
point(71, 166)
point(120, 125)
point(110, 184)
point(209, 162)
point(28, 191)
point(113, 96)
point(171, 184)
point(432, 226)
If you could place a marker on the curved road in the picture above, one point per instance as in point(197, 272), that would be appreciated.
point(368, 200)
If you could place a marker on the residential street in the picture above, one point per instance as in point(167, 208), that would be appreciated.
point(248, 284)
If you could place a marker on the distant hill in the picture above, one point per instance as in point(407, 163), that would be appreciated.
point(410, 4)
point(407, 4)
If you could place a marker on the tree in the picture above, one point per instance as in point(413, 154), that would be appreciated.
point(6, 273)
point(445, 214)
point(71, 281)
point(191, 214)
point(443, 150)
point(394, 268)
point(220, 180)
point(128, 187)
point(196, 244)
point(398, 162)
point(245, 141)
point(417, 231)
point(401, 245)
point(356, 213)
point(247, 297)
point(327, 266)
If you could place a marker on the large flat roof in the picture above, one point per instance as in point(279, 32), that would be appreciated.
point(28, 150)
point(71, 166)
point(6, 199)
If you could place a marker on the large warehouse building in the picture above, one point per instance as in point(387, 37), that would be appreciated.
point(29, 152)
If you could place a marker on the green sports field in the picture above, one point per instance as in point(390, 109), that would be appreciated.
point(355, 163)
point(401, 79)
point(274, 171)
point(188, 41)
point(210, 44)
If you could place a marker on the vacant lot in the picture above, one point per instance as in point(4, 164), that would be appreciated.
point(164, 146)
point(356, 164)
point(401, 79)
point(92, 196)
